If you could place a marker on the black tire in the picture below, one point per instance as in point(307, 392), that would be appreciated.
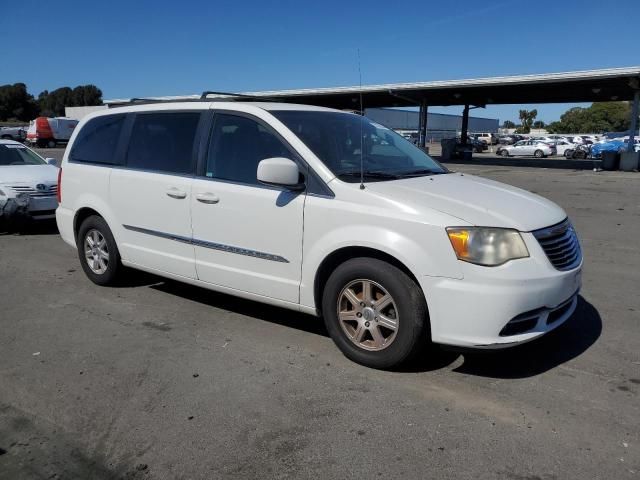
point(538, 154)
point(568, 153)
point(503, 153)
point(114, 266)
point(51, 144)
point(412, 333)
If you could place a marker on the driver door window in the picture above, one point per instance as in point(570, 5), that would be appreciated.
point(236, 147)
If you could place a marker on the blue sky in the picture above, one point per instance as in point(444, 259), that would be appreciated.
point(142, 48)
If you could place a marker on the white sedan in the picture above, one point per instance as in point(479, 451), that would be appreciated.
point(562, 146)
point(28, 183)
point(527, 147)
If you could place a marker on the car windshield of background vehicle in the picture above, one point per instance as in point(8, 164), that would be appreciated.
point(18, 155)
point(335, 139)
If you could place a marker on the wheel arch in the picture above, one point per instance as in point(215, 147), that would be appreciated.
point(81, 215)
point(339, 256)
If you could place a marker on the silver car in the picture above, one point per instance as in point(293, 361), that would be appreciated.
point(527, 147)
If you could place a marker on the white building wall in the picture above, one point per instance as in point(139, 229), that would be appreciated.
point(78, 113)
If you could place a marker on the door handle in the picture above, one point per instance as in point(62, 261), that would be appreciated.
point(209, 198)
point(173, 192)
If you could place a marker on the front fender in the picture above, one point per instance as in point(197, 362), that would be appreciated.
point(424, 249)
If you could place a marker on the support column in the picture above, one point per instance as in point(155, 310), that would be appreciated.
point(465, 124)
point(422, 129)
point(634, 120)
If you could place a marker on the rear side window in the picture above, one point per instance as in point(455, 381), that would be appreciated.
point(163, 142)
point(98, 140)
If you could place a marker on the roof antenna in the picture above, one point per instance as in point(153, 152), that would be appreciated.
point(361, 121)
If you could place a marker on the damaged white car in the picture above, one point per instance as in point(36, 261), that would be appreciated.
point(28, 184)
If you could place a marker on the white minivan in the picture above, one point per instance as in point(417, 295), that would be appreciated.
point(320, 211)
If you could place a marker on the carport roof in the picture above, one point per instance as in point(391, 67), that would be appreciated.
point(566, 87)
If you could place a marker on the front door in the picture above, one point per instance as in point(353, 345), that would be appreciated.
point(246, 236)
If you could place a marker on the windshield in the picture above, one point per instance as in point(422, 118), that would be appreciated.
point(335, 138)
point(14, 154)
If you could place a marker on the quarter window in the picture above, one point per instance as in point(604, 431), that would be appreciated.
point(236, 147)
point(98, 139)
point(163, 142)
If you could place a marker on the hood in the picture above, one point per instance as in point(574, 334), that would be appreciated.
point(475, 200)
point(28, 174)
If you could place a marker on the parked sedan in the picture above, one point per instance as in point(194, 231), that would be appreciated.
point(527, 147)
point(562, 146)
point(28, 184)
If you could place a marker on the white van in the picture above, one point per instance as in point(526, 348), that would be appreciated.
point(320, 211)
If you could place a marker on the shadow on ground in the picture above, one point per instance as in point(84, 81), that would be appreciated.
point(269, 313)
point(29, 227)
point(563, 344)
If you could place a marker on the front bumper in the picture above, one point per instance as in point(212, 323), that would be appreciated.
point(23, 207)
point(474, 311)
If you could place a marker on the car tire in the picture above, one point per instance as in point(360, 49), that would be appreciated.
point(362, 333)
point(51, 144)
point(568, 154)
point(538, 154)
point(503, 153)
point(94, 241)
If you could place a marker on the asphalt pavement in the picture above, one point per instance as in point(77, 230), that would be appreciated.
point(160, 380)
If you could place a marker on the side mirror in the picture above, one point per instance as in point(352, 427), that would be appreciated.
point(51, 161)
point(280, 172)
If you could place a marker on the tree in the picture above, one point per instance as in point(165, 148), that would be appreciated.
point(508, 124)
point(527, 117)
point(598, 118)
point(16, 103)
point(538, 124)
point(52, 103)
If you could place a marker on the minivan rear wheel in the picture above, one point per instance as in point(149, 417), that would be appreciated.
point(375, 313)
point(98, 251)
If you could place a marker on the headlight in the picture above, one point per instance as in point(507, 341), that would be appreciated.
point(487, 246)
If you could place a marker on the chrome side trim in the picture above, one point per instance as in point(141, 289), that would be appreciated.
point(211, 245)
point(155, 233)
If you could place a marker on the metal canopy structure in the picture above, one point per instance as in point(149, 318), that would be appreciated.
point(567, 87)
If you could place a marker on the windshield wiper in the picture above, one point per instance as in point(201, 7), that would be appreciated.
point(419, 173)
point(368, 173)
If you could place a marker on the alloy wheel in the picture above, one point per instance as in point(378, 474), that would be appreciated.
point(96, 251)
point(368, 315)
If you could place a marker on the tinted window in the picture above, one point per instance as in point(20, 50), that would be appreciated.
point(163, 142)
point(98, 139)
point(236, 147)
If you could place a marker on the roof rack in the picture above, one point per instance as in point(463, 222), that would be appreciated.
point(222, 97)
point(235, 96)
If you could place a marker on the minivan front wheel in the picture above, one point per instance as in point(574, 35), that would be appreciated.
point(98, 251)
point(375, 313)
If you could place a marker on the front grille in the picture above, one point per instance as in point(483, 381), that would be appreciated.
point(561, 245)
point(32, 191)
